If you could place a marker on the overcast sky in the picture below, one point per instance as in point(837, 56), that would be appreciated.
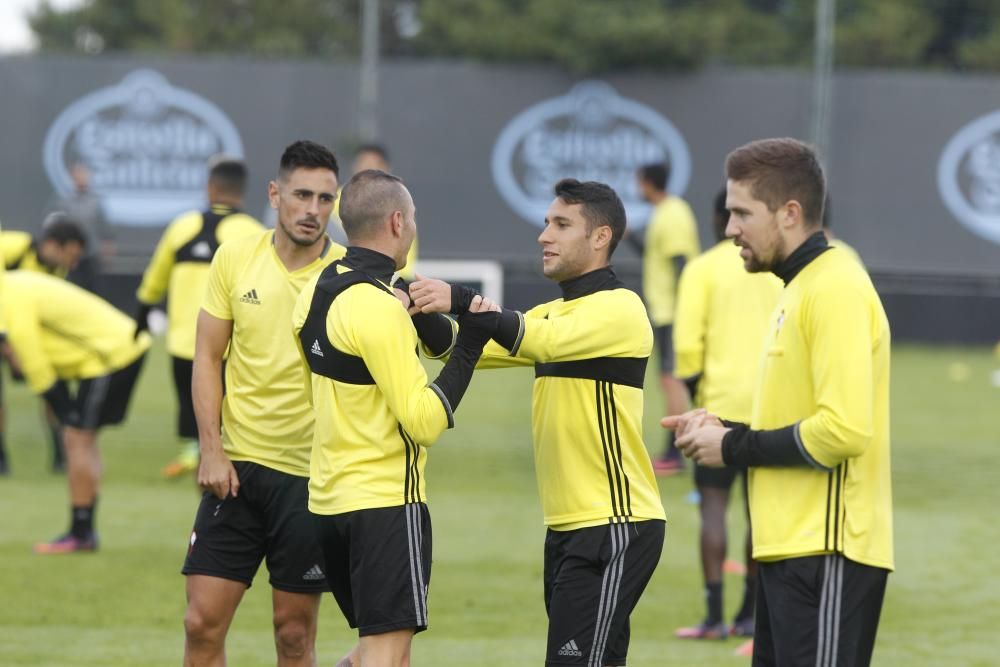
point(15, 35)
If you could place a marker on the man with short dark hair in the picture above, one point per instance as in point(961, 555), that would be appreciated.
point(817, 444)
point(255, 462)
point(599, 497)
point(376, 415)
point(179, 270)
point(671, 241)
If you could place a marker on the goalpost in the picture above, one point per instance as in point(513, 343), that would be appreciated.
point(485, 276)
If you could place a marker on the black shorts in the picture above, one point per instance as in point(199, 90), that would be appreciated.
point(187, 425)
point(718, 478)
point(378, 562)
point(593, 580)
point(663, 339)
point(103, 401)
point(817, 610)
point(268, 519)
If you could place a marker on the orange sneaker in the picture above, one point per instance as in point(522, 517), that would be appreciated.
point(668, 467)
point(67, 544)
point(745, 649)
point(703, 631)
point(734, 567)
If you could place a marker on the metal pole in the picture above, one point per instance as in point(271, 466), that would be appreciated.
point(823, 76)
point(368, 90)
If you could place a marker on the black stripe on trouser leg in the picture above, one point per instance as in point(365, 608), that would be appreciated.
point(610, 588)
point(828, 636)
point(414, 533)
point(618, 447)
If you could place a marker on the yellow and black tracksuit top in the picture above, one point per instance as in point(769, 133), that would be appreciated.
point(20, 253)
point(62, 332)
point(672, 232)
point(180, 265)
point(266, 418)
point(824, 377)
point(376, 412)
point(589, 350)
point(723, 314)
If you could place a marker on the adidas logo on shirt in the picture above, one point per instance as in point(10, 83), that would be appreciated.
point(314, 574)
point(251, 297)
point(316, 349)
point(570, 648)
point(201, 249)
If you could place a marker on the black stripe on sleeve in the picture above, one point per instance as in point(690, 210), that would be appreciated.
point(607, 454)
point(618, 445)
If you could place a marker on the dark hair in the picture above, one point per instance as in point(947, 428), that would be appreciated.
point(228, 174)
point(306, 154)
point(656, 174)
point(720, 215)
point(60, 228)
point(601, 206)
point(367, 198)
point(373, 147)
point(778, 171)
point(826, 212)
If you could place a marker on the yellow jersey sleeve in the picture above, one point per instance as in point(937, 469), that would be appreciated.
point(217, 294)
point(598, 334)
point(691, 323)
point(26, 337)
point(386, 340)
point(156, 279)
point(841, 323)
point(14, 246)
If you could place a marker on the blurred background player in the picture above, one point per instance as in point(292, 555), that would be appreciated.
point(179, 270)
point(671, 241)
point(84, 207)
point(375, 156)
point(56, 253)
point(722, 318)
point(60, 332)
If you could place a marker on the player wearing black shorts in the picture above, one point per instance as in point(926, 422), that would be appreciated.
point(376, 414)
point(605, 522)
point(179, 270)
point(722, 317)
point(254, 471)
point(62, 333)
point(817, 445)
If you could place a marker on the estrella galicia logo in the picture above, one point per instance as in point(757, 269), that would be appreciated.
point(146, 144)
point(592, 133)
point(969, 176)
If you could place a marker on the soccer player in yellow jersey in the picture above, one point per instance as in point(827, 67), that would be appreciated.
point(671, 241)
point(599, 496)
point(60, 332)
point(376, 415)
point(179, 270)
point(57, 253)
point(255, 463)
point(817, 443)
point(723, 314)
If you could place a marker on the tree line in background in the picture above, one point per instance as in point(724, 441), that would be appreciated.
point(585, 36)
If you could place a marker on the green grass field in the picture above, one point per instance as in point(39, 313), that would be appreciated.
point(124, 605)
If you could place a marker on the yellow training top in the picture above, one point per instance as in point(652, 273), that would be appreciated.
point(723, 314)
point(825, 367)
point(266, 418)
point(375, 411)
point(180, 266)
point(589, 350)
point(62, 332)
point(672, 232)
